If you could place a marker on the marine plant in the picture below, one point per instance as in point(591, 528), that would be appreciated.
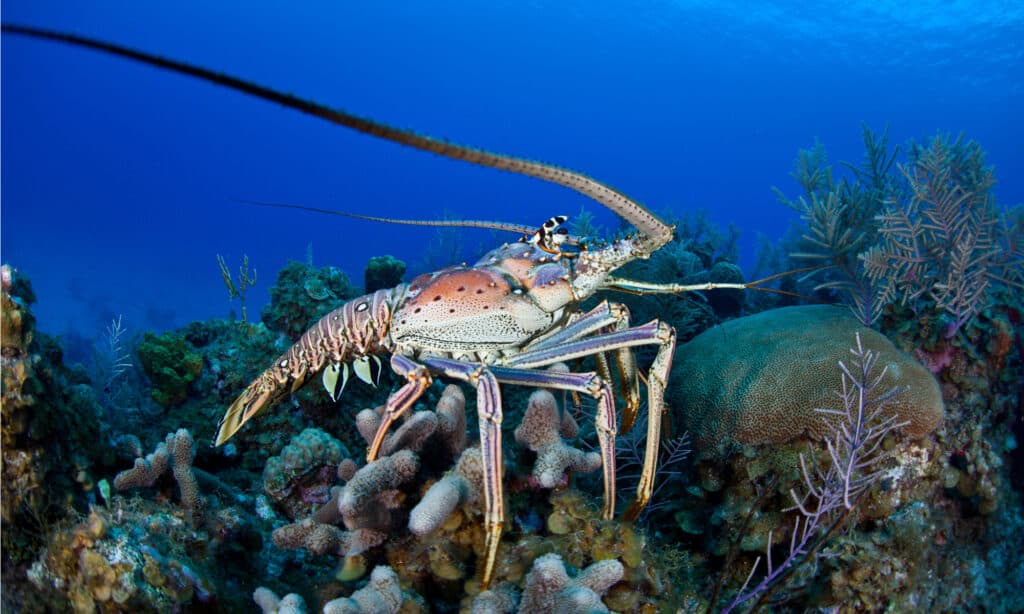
point(924, 235)
point(245, 280)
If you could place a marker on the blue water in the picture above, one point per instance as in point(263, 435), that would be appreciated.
point(118, 179)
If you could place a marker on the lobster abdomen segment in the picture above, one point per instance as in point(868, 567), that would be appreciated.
point(358, 328)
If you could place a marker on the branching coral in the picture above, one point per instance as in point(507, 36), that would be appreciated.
point(270, 603)
point(943, 244)
point(539, 431)
point(367, 498)
point(448, 420)
point(550, 589)
point(462, 486)
point(382, 595)
point(177, 451)
point(319, 538)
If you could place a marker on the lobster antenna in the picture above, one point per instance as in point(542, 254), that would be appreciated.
point(630, 210)
point(517, 228)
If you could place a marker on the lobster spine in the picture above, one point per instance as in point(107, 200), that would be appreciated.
point(360, 327)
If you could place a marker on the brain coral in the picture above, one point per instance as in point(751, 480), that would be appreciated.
point(759, 378)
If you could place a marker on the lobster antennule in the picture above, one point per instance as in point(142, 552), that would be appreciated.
point(633, 212)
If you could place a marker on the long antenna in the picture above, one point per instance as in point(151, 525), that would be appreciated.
point(509, 227)
point(630, 210)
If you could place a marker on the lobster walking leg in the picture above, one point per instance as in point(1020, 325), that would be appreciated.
point(419, 380)
point(605, 317)
point(653, 333)
point(604, 418)
point(488, 407)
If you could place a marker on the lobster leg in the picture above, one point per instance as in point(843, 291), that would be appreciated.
point(488, 407)
point(604, 419)
point(653, 333)
point(419, 380)
point(605, 317)
point(581, 325)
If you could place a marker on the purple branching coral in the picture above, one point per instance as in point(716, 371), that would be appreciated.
point(834, 488)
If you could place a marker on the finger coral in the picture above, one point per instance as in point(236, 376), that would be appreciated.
point(448, 421)
point(319, 538)
point(540, 432)
point(461, 486)
point(176, 450)
point(550, 589)
point(270, 603)
point(382, 595)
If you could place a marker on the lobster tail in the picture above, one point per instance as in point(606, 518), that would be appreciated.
point(289, 372)
point(262, 392)
point(356, 332)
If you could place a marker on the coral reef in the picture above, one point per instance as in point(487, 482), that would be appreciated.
point(131, 560)
point(383, 272)
point(290, 506)
point(759, 378)
point(50, 427)
point(172, 366)
point(299, 479)
point(302, 295)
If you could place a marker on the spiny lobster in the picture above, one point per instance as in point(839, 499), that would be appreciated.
point(499, 321)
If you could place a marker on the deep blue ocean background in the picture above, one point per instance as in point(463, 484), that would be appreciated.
point(118, 179)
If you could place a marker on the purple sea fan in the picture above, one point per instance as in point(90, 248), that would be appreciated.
point(833, 491)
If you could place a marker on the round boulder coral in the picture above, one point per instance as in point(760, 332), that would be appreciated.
point(758, 379)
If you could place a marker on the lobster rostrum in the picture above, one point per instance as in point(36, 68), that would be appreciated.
point(502, 320)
